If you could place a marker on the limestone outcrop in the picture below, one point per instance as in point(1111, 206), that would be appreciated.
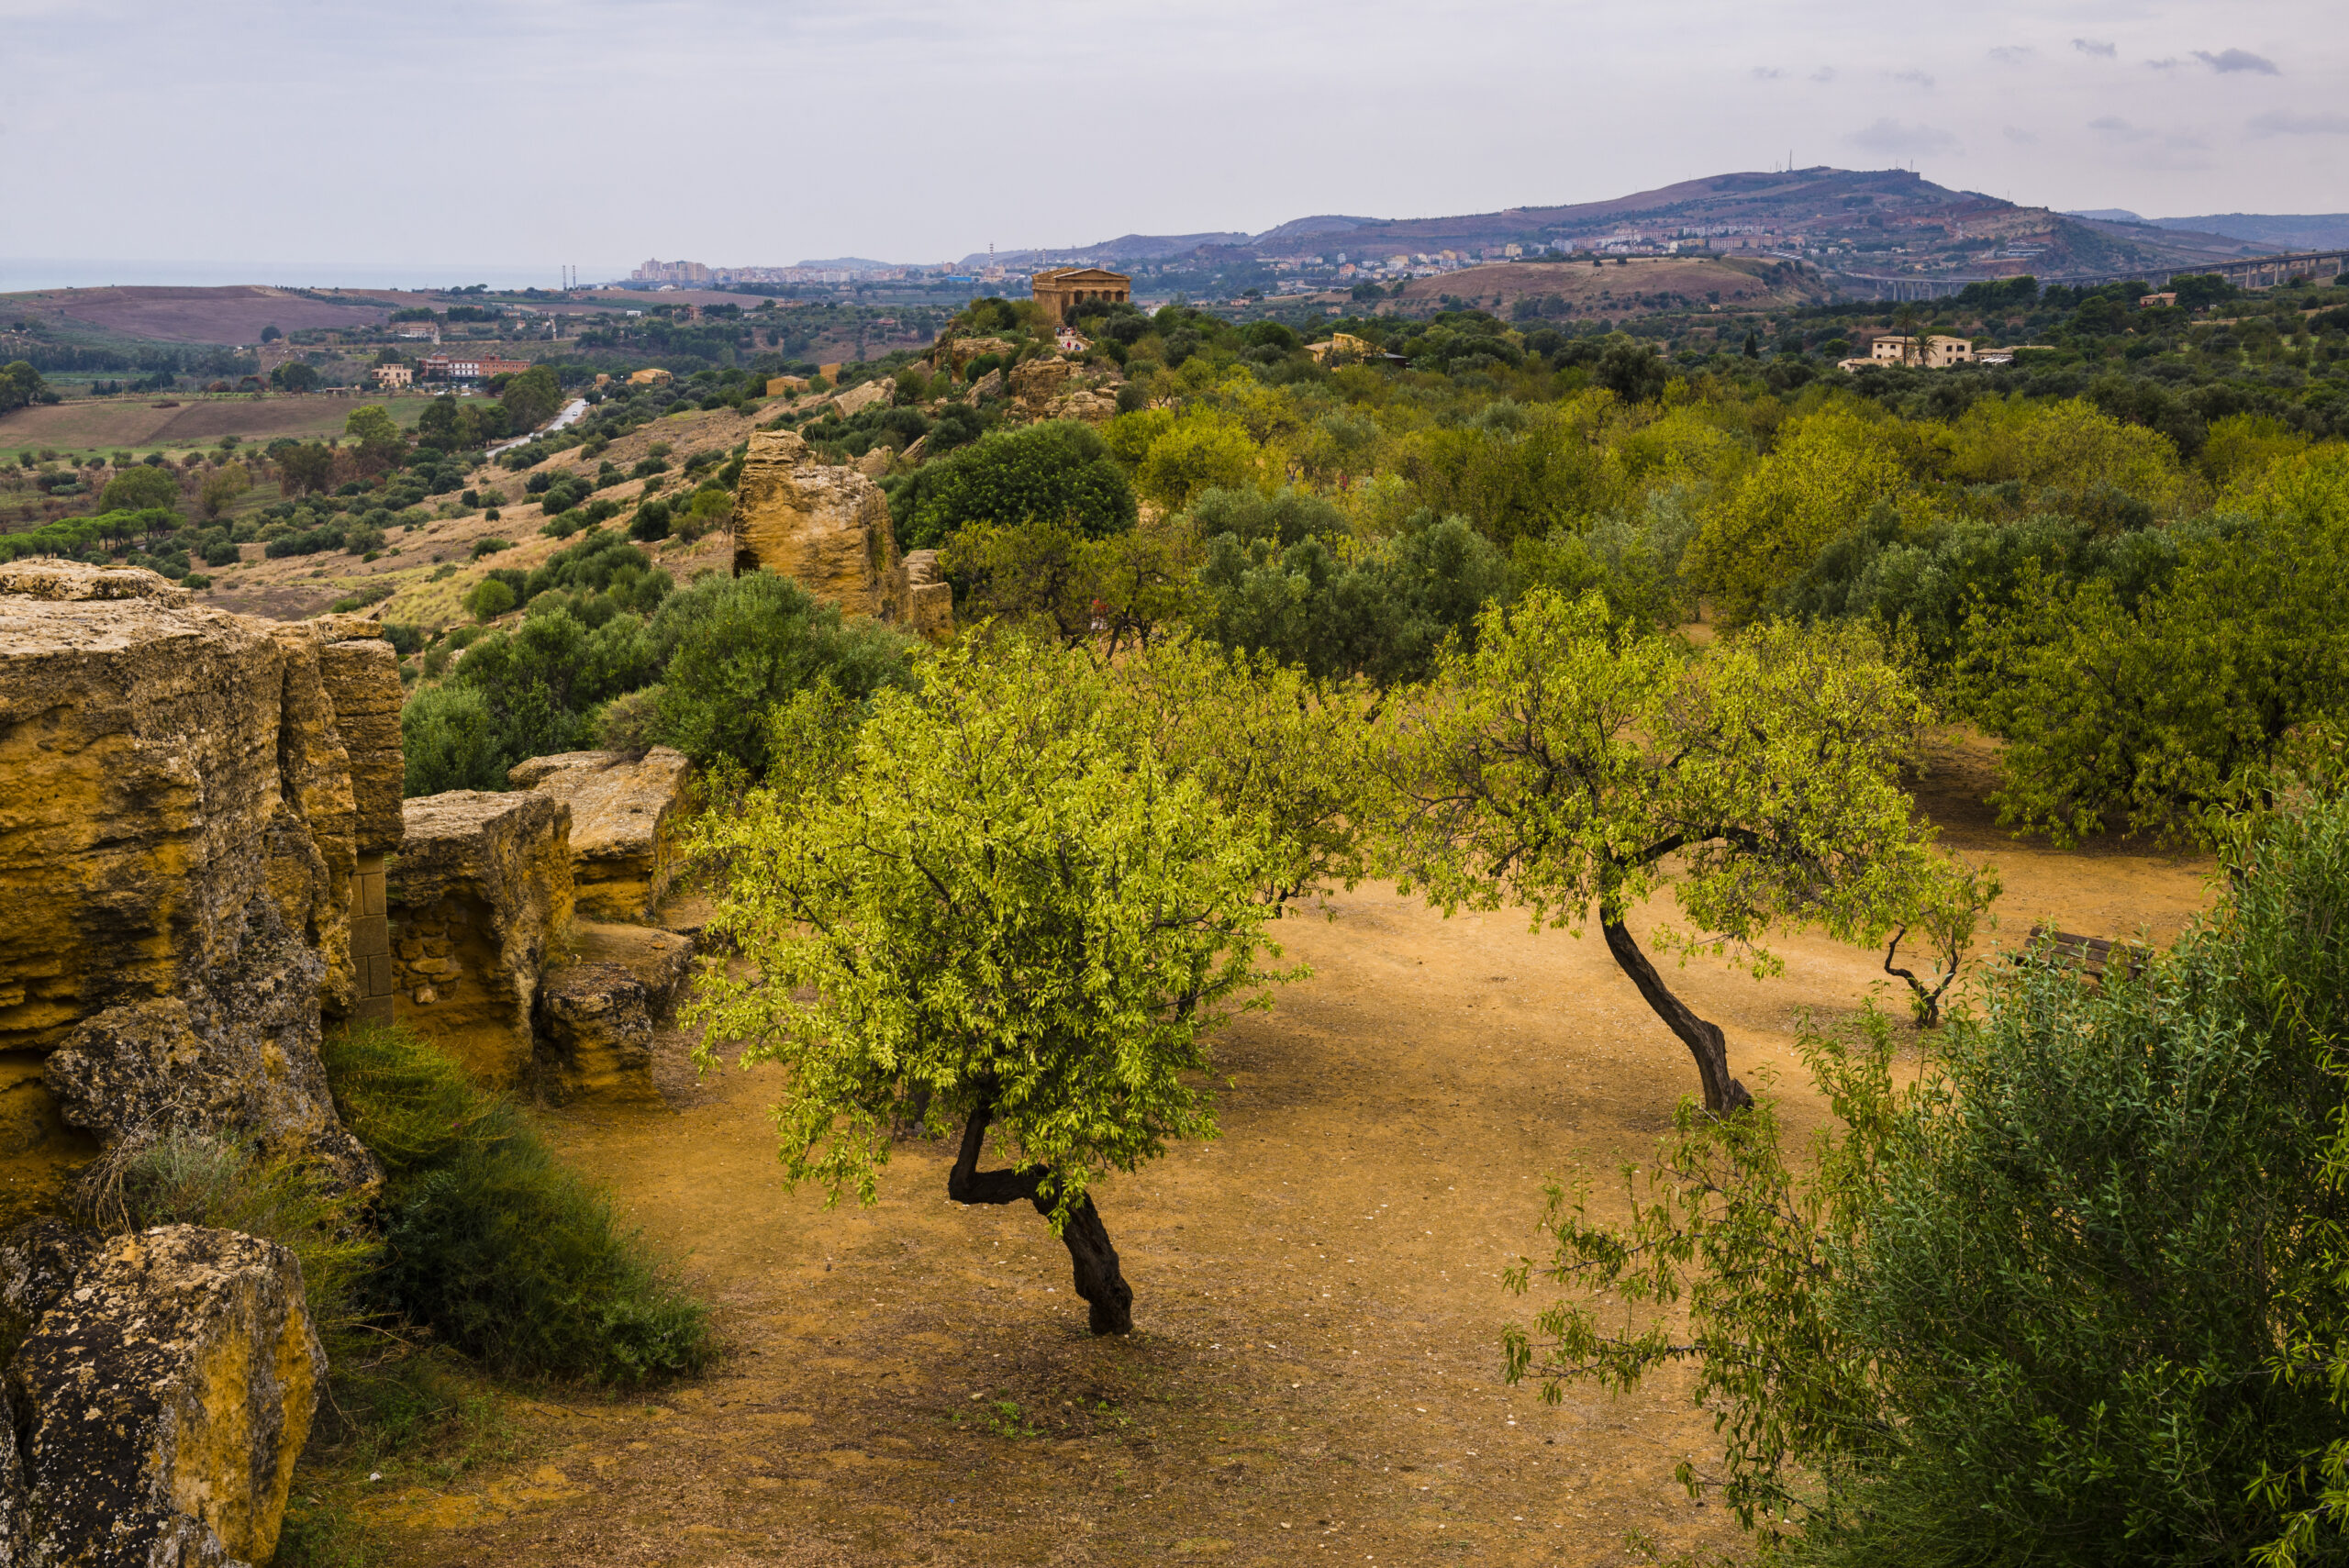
point(987, 387)
point(481, 894)
point(180, 844)
point(857, 399)
point(1036, 383)
point(1094, 405)
point(929, 599)
point(623, 824)
point(597, 1015)
point(826, 527)
point(960, 351)
point(163, 1390)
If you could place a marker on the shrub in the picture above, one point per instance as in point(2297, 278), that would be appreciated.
point(510, 1256)
point(631, 722)
point(2073, 1297)
point(1059, 472)
point(651, 522)
point(734, 647)
point(448, 742)
point(490, 546)
point(489, 599)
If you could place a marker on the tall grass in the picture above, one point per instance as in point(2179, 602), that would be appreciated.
point(503, 1250)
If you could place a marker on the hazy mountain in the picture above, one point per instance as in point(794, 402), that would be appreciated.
point(2273, 232)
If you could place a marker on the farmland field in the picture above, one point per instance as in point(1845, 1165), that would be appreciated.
point(139, 425)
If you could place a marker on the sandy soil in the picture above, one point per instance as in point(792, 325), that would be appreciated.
point(1314, 1374)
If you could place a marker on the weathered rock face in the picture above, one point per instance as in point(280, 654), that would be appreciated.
point(1091, 403)
point(857, 399)
point(989, 386)
point(481, 892)
point(179, 836)
point(1036, 383)
point(929, 599)
point(877, 461)
point(623, 819)
point(961, 351)
point(597, 1015)
point(236, 1056)
point(828, 529)
point(164, 1390)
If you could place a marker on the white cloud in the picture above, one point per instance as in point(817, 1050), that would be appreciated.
point(1824, 74)
point(1897, 138)
point(2096, 47)
point(2233, 60)
point(1914, 78)
point(2019, 136)
point(2283, 122)
point(1768, 73)
point(2012, 54)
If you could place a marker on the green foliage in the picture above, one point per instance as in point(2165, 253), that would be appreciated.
point(732, 648)
point(449, 740)
point(2071, 1296)
point(1383, 615)
point(488, 599)
point(381, 442)
point(1127, 587)
point(20, 385)
point(137, 489)
point(2141, 715)
point(1567, 764)
point(507, 1253)
point(1057, 472)
point(530, 399)
point(1001, 897)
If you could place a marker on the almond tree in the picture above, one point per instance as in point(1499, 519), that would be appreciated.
point(1015, 902)
point(1572, 766)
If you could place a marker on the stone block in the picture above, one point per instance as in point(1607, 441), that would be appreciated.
point(623, 824)
point(491, 873)
point(161, 1392)
point(826, 529)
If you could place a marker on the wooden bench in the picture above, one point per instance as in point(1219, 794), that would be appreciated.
point(2092, 956)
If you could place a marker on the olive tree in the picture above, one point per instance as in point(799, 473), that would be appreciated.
point(1569, 765)
point(1020, 899)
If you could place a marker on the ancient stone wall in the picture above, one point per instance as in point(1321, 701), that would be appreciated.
point(623, 824)
point(480, 896)
point(180, 833)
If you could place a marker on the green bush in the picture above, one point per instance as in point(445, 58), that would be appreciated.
point(2075, 1295)
point(488, 599)
point(732, 648)
point(509, 1254)
point(1059, 472)
point(450, 742)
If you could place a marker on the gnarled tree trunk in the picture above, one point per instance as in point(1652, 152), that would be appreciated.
point(1096, 1261)
point(1723, 1093)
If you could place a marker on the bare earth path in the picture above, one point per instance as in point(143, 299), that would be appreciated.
point(1314, 1371)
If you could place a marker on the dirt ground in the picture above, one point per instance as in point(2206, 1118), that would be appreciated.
point(1315, 1370)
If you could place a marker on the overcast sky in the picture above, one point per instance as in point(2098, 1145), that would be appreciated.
point(531, 133)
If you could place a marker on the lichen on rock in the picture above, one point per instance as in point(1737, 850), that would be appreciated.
point(164, 1387)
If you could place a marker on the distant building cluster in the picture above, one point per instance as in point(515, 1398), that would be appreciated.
point(470, 367)
point(698, 274)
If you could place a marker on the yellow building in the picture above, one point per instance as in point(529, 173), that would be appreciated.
point(1939, 353)
point(652, 375)
point(1342, 345)
point(779, 385)
point(391, 376)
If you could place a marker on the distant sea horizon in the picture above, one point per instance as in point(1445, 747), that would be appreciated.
point(19, 274)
